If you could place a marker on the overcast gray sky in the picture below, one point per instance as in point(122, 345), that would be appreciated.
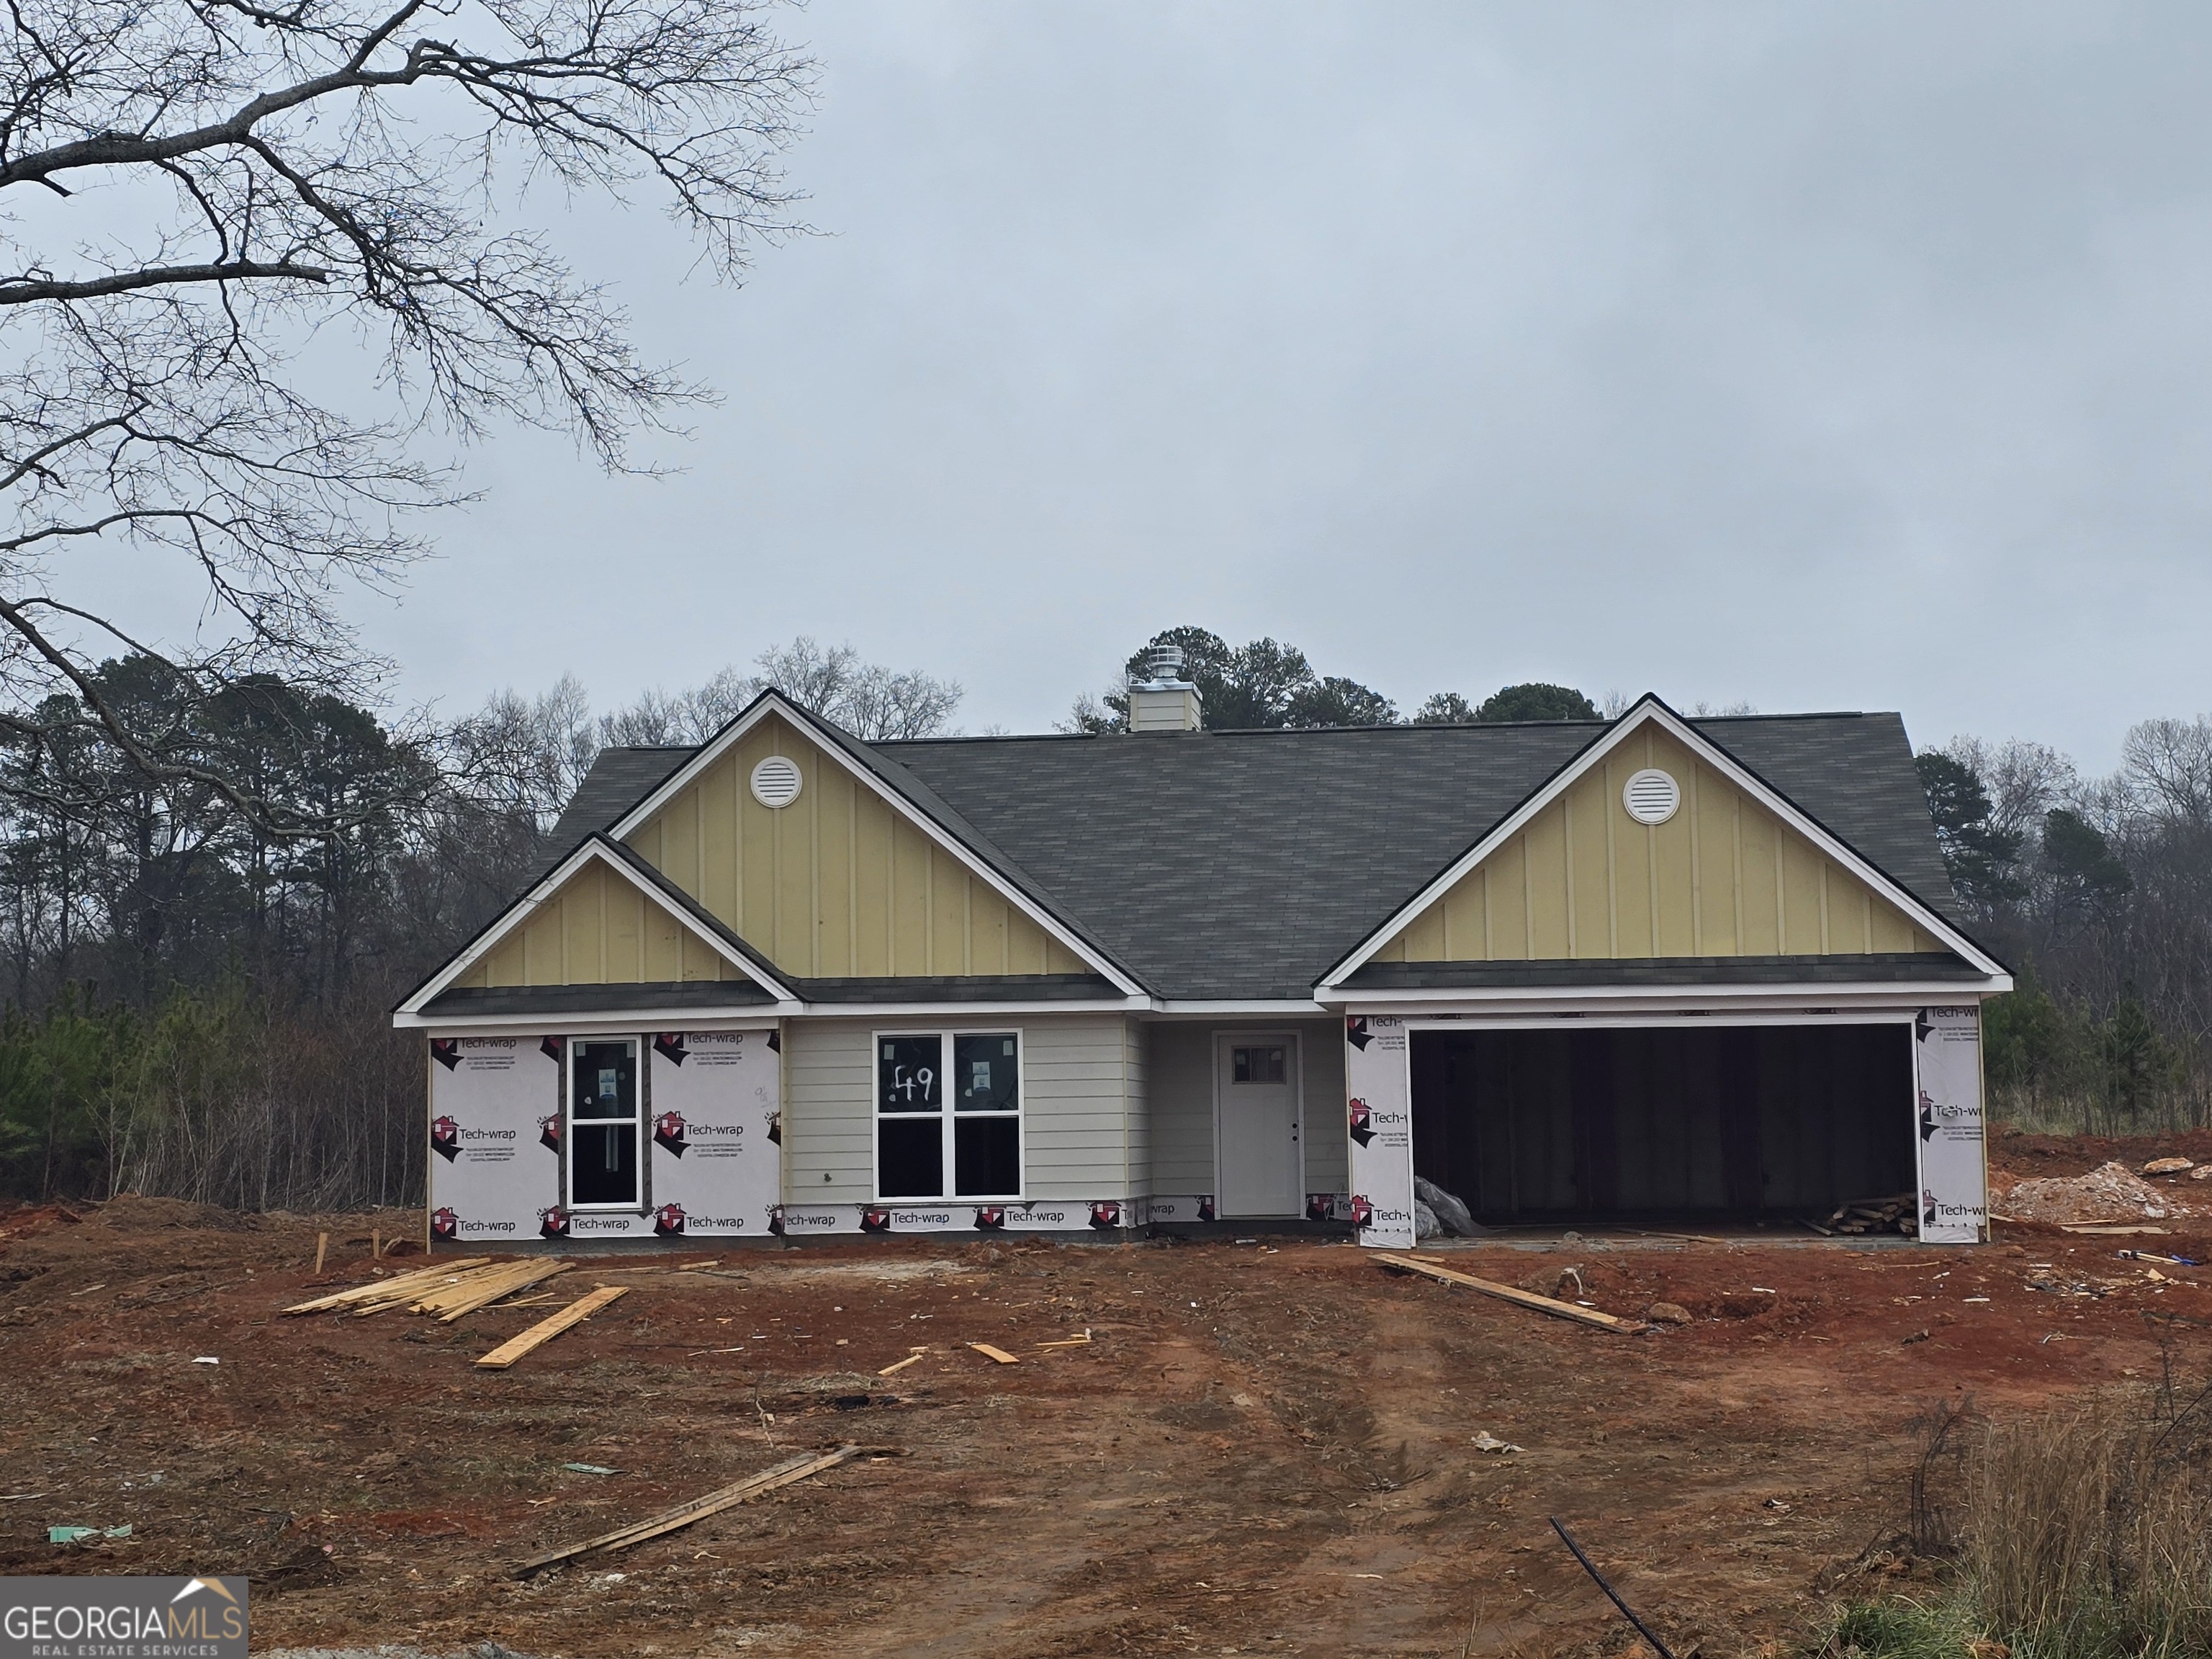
point(1823, 355)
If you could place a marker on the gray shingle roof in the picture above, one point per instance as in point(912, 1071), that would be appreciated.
point(617, 780)
point(1244, 865)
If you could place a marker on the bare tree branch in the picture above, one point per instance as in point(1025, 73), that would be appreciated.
point(322, 160)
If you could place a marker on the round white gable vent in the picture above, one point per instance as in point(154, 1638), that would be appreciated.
point(776, 780)
point(1651, 796)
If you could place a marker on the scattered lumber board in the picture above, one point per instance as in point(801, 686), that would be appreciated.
point(2110, 1230)
point(802, 1467)
point(546, 1329)
point(1511, 1293)
point(381, 1289)
point(898, 1365)
point(466, 1299)
point(990, 1353)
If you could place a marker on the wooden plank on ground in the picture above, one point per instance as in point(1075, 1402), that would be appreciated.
point(382, 1288)
point(2106, 1231)
point(546, 1329)
point(807, 1464)
point(448, 1308)
point(1511, 1293)
point(990, 1353)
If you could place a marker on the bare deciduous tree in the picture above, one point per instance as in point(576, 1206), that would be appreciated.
point(194, 187)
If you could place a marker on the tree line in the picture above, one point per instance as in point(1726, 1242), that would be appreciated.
point(2098, 893)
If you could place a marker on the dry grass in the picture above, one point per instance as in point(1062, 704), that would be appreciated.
point(2085, 1533)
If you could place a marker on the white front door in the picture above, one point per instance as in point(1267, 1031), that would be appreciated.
point(1262, 1170)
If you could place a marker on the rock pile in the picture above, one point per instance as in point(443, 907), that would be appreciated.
point(2114, 1193)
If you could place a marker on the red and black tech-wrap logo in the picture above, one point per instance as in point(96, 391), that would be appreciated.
point(668, 1132)
point(668, 1221)
point(1363, 1213)
point(553, 1222)
point(1206, 1207)
point(446, 1138)
point(1362, 1123)
point(669, 1045)
point(1106, 1213)
point(1320, 1206)
point(443, 1223)
point(875, 1221)
point(549, 1133)
point(776, 1220)
point(990, 1219)
point(447, 1051)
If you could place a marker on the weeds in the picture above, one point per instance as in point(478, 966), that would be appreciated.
point(2083, 1532)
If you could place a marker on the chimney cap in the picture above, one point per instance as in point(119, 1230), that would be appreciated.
point(1164, 666)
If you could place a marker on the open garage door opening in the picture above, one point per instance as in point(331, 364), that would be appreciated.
point(1664, 1121)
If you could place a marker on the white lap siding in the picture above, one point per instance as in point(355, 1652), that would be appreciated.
point(829, 1113)
point(1139, 1091)
point(1179, 1078)
point(1083, 1081)
point(1321, 1046)
point(1076, 1118)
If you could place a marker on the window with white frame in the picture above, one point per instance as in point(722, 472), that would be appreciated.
point(948, 1115)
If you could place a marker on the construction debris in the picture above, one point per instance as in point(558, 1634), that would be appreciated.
point(73, 1534)
point(483, 1288)
point(2168, 1166)
point(421, 1279)
point(897, 1366)
point(1511, 1293)
point(801, 1467)
point(1487, 1442)
point(449, 1292)
point(1877, 1215)
point(546, 1329)
point(2104, 1197)
point(990, 1353)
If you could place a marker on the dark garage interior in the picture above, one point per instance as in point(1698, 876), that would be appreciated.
point(1676, 1121)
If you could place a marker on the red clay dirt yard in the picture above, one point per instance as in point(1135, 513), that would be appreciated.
point(1265, 1448)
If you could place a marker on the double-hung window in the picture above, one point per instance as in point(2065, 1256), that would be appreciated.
point(603, 1124)
point(949, 1115)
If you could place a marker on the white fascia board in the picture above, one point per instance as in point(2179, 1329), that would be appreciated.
point(1720, 1002)
point(968, 1010)
point(521, 910)
point(746, 1016)
point(1284, 1008)
point(771, 703)
point(1662, 1018)
point(1651, 711)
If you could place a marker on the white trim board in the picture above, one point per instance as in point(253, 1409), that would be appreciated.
point(1663, 1019)
point(774, 703)
point(1651, 711)
point(523, 908)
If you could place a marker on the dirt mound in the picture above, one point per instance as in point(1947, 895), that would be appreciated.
point(128, 1213)
point(2113, 1192)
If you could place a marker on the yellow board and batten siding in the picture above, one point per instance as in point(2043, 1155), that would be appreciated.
point(1724, 877)
point(838, 885)
point(598, 929)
